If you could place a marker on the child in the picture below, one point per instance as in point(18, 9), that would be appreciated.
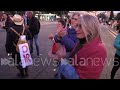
point(56, 48)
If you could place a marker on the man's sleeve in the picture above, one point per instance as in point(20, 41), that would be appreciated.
point(34, 25)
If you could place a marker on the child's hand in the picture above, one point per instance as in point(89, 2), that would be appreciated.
point(62, 32)
point(51, 36)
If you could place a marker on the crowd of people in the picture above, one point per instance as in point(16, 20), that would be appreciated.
point(79, 36)
point(113, 21)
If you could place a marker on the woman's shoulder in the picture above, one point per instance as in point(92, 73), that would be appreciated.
point(93, 49)
point(99, 50)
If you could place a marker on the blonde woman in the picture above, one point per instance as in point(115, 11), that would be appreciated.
point(89, 58)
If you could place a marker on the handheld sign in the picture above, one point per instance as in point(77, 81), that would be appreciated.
point(25, 55)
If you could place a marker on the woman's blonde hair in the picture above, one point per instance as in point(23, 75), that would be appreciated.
point(90, 26)
point(77, 13)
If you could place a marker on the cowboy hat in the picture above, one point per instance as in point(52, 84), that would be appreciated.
point(17, 19)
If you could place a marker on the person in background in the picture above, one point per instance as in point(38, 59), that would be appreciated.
point(7, 24)
point(33, 25)
point(68, 37)
point(61, 24)
point(25, 18)
point(117, 54)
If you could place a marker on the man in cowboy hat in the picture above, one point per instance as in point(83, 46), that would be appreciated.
point(13, 39)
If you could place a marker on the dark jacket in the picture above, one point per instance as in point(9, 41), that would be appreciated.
point(68, 40)
point(34, 25)
point(8, 23)
point(13, 37)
